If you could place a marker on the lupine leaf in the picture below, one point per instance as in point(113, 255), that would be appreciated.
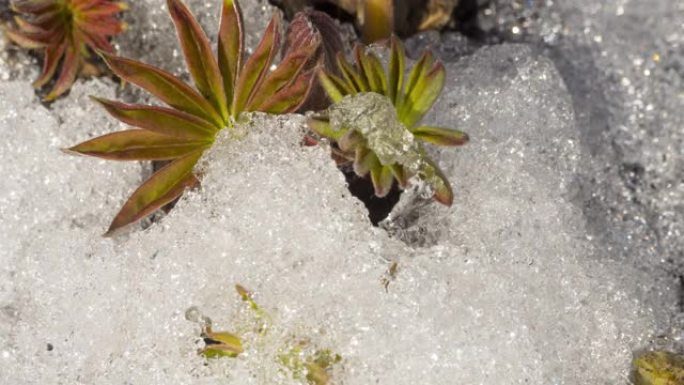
point(70, 68)
point(351, 75)
point(256, 67)
point(443, 192)
point(441, 136)
point(350, 140)
point(52, 55)
point(137, 145)
point(104, 9)
point(323, 128)
point(33, 6)
point(28, 40)
point(379, 73)
point(382, 179)
point(291, 97)
point(97, 26)
point(230, 46)
point(335, 87)
point(363, 69)
point(400, 175)
point(165, 121)
point(161, 188)
point(416, 76)
point(286, 73)
point(396, 71)
point(198, 55)
point(424, 95)
point(164, 86)
point(364, 161)
point(26, 26)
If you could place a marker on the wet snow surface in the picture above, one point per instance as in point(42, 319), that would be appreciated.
point(559, 258)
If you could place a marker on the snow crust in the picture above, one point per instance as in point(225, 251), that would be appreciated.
point(524, 280)
point(506, 295)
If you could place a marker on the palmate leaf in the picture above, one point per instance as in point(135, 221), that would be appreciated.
point(411, 97)
point(224, 88)
point(66, 31)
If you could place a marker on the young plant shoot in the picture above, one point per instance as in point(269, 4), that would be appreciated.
point(67, 32)
point(225, 87)
point(396, 127)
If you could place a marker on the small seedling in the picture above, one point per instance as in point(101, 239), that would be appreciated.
point(411, 98)
point(67, 32)
point(225, 88)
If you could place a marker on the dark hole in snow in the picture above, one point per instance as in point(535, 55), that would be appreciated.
point(362, 188)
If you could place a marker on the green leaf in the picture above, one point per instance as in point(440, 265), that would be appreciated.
point(198, 55)
point(396, 71)
point(221, 344)
point(230, 46)
point(165, 86)
point(423, 96)
point(443, 192)
point(400, 175)
point(335, 87)
point(67, 76)
point(350, 140)
point(256, 68)
point(137, 145)
point(420, 70)
point(290, 98)
point(165, 121)
point(440, 136)
point(287, 74)
point(364, 161)
point(323, 128)
point(379, 71)
point(352, 77)
point(382, 179)
point(367, 71)
point(161, 188)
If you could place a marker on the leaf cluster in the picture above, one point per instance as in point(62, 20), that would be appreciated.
point(225, 85)
point(412, 98)
point(67, 31)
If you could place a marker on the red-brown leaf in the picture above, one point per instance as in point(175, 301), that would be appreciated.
point(165, 121)
point(199, 56)
point(256, 67)
point(165, 86)
point(161, 188)
point(137, 145)
point(230, 46)
point(70, 68)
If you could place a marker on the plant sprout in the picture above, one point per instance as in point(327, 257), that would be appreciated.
point(225, 87)
point(67, 32)
point(411, 99)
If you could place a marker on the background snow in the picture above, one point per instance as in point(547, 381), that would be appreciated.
point(525, 280)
